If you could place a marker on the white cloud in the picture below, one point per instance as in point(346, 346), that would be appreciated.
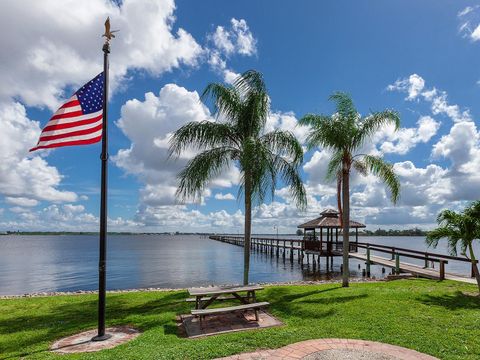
point(226, 42)
point(288, 122)
point(26, 178)
point(237, 39)
point(469, 26)
point(475, 35)
point(227, 196)
point(404, 139)
point(21, 201)
point(55, 44)
point(414, 85)
point(149, 125)
point(467, 10)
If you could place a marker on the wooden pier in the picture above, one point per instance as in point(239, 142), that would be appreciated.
point(295, 249)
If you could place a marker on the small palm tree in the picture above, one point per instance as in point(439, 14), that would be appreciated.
point(460, 230)
point(238, 136)
point(344, 133)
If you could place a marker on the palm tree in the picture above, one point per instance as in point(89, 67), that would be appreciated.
point(238, 137)
point(344, 133)
point(460, 230)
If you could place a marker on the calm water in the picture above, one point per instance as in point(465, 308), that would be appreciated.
point(67, 263)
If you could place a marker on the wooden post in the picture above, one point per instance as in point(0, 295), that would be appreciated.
point(442, 269)
point(368, 260)
point(426, 260)
point(291, 251)
point(397, 263)
point(472, 274)
point(321, 239)
point(356, 239)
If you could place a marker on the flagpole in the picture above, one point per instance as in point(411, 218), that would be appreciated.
point(102, 264)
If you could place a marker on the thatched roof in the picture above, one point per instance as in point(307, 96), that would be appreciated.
point(328, 219)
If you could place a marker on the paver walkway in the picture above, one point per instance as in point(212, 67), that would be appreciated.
point(304, 349)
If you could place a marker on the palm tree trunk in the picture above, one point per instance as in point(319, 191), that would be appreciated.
point(346, 222)
point(248, 227)
point(339, 199)
point(474, 265)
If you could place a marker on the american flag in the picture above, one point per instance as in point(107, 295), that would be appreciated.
point(78, 121)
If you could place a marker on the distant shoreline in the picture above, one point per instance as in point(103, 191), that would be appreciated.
point(158, 289)
point(54, 233)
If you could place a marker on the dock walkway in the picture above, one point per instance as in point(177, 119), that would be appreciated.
point(411, 268)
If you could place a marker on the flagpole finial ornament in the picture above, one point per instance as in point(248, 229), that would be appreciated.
point(109, 34)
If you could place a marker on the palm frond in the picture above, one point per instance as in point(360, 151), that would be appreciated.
point(226, 100)
point(384, 171)
point(373, 123)
point(283, 143)
point(344, 105)
point(250, 80)
point(194, 178)
point(290, 176)
point(202, 135)
point(360, 166)
point(334, 166)
point(434, 236)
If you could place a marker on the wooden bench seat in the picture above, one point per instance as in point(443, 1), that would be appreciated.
point(221, 298)
point(214, 311)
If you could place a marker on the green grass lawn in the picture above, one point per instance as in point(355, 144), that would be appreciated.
point(438, 318)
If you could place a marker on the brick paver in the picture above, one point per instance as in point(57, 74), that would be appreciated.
point(82, 342)
point(302, 349)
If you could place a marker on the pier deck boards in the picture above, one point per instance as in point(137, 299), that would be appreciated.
point(411, 268)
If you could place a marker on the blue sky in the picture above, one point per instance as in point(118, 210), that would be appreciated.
point(420, 58)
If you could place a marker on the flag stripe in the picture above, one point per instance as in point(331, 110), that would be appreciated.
point(64, 141)
point(59, 135)
point(69, 143)
point(73, 101)
point(73, 120)
point(59, 126)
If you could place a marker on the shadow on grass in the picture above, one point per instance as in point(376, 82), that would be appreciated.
point(67, 317)
point(455, 301)
point(292, 302)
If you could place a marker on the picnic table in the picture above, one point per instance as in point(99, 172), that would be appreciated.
point(204, 297)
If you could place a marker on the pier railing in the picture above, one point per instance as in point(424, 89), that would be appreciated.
point(302, 247)
point(396, 252)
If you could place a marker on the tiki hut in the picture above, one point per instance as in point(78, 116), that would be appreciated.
point(321, 234)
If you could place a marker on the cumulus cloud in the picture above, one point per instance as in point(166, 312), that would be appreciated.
point(149, 125)
point(404, 139)
point(227, 42)
point(414, 86)
point(227, 196)
point(237, 39)
point(67, 217)
point(25, 179)
point(47, 52)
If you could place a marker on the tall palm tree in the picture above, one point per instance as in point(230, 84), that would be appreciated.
point(460, 230)
point(238, 136)
point(344, 133)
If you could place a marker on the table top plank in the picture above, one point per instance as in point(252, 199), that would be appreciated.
point(215, 290)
